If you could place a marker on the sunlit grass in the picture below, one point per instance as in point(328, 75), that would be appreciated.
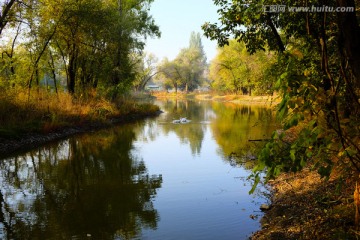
point(45, 112)
point(235, 98)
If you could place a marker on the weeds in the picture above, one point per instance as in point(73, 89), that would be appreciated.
point(46, 112)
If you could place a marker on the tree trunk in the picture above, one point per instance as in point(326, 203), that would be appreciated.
point(275, 32)
point(52, 66)
point(350, 37)
point(72, 74)
point(5, 13)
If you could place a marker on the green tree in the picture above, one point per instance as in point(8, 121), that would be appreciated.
point(145, 70)
point(90, 42)
point(317, 75)
point(187, 70)
point(235, 70)
point(169, 74)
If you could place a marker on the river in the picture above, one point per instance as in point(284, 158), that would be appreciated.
point(151, 179)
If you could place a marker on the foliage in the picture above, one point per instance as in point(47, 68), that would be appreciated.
point(145, 70)
point(235, 70)
point(83, 45)
point(187, 70)
point(317, 76)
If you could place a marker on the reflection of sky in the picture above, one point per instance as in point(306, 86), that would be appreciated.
point(202, 195)
point(25, 194)
point(26, 186)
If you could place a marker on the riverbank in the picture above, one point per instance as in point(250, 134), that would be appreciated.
point(233, 98)
point(30, 140)
point(304, 206)
point(29, 122)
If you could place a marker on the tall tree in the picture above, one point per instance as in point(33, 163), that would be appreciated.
point(187, 70)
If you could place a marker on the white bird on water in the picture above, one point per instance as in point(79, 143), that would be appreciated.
point(181, 120)
point(176, 121)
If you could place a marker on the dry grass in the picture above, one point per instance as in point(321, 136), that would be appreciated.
point(169, 95)
point(46, 112)
point(304, 206)
point(233, 98)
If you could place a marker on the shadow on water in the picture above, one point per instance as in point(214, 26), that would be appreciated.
point(89, 186)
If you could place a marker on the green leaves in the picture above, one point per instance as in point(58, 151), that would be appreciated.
point(235, 70)
point(187, 70)
point(318, 84)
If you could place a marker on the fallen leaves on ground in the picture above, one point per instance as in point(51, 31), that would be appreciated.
point(304, 206)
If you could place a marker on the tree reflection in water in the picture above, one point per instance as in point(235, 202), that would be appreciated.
point(247, 123)
point(86, 186)
point(232, 126)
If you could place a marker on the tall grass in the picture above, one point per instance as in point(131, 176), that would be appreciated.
point(42, 111)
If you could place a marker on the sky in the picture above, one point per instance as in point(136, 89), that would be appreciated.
point(177, 19)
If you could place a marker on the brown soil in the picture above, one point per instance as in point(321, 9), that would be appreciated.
point(304, 206)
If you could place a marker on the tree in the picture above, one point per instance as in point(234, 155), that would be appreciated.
point(235, 70)
point(187, 70)
point(6, 13)
point(90, 41)
point(317, 76)
point(169, 74)
point(145, 70)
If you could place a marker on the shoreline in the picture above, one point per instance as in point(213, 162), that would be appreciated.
point(31, 140)
point(304, 206)
point(231, 98)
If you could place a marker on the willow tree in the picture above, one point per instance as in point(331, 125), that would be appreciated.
point(318, 78)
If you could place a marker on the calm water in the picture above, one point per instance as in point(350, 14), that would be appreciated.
point(148, 180)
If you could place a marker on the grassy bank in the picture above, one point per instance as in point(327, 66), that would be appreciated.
point(240, 99)
point(45, 112)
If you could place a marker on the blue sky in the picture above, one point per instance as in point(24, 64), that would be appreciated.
point(177, 19)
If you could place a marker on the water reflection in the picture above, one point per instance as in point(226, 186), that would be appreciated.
point(247, 123)
point(101, 186)
point(232, 127)
point(86, 186)
point(192, 133)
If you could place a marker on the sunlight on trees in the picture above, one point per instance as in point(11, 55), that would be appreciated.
point(317, 74)
point(188, 68)
point(79, 45)
point(235, 70)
